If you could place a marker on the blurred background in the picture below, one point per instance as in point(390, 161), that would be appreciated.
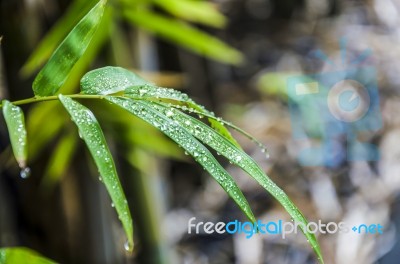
point(235, 57)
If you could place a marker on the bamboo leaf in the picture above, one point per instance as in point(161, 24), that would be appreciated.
point(39, 137)
point(22, 255)
point(235, 155)
point(154, 92)
point(16, 127)
point(49, 43)
point(185, 35)
point(56, 71)
point(59, 160)
point(109, 80)
point(196, 11)
point(91, 133)
point(192, 146)
point(131, 132)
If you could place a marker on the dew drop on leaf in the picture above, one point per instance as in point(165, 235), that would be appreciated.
point(128, 246)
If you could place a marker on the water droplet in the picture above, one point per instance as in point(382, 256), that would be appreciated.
point(25, 173)
point(128, 246)
point(265, 151)
point(112, 205)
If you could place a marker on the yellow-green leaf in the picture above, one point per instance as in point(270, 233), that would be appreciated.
point(203, 12)
point(181, 33)
point(21, 255)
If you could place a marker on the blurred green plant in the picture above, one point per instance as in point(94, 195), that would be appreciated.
point(22, 255)
point(169, 111)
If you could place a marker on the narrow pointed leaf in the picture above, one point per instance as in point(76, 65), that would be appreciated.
point(235, 155)
point(185, 35)
point(38, 137)
point(196, 11)
point(109, 80)
point(56, 71)
point(16, 127)
point(59, 161)
point(192, 146)
point(22, 255)
point(91, 133)
point(49, 43)
point(219, 120)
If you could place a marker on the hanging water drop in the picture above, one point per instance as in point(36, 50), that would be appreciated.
point(25, 172)
point(128, 246)
point(112, 205)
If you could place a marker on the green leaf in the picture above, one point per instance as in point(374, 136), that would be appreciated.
point(16, 127)
point(22, 255)
point(196, 11)
point(81, 67)
point(235, 155)
point(56, 71)
point(49, 43)
point(154, 92)
point(91, 133)
point(131, 131)
point(109, 80)
point(192, 146)
point(39, 137)
point(59, 160)
point(212, 117)
point(183, 34)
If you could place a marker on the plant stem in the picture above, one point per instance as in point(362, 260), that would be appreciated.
point(54, 97)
